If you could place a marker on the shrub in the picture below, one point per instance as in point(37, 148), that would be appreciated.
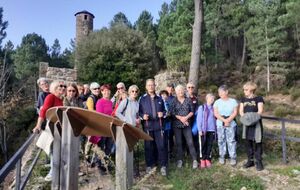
point(295, 93)
point(282, 111)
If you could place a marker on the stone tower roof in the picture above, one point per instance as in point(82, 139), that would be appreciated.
point(84, 12)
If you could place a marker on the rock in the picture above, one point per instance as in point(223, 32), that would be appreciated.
point(243, 188)
point(296, 172)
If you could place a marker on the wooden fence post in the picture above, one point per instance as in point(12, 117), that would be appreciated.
point(283, 141)
point(56, 158)
point(124, 162)
point(69, 156)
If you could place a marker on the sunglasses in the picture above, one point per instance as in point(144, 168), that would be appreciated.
point(71, 91)
point(134, 91)
point(96, 88)
point(190, 87)
point(62, 86)
point(120, 88)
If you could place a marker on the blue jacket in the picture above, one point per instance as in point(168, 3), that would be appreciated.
point(153, 124)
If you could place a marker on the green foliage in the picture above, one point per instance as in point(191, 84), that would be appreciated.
point(282, 111)
point(295, 93)
point(175, 34)
point(3, 26)
point(32, 50)
point(214, 178)
point(120, 19)
point(64, 60)
point(115, 54)
point(55, 49)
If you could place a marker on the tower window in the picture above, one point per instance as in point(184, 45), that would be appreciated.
point(85, 17)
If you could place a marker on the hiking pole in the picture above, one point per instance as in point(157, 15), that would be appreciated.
point(200, 146)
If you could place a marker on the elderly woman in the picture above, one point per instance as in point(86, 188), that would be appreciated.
point(44, 86)
point(206, 124)
point(225, 110)
point(72, 97)
point(93, 97)
point(104, 105)
point(120, 95)
point(57, 90)
point(252, 106)
point(129, 108)
point(181, 110)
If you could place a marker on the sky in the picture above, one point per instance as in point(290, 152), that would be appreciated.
point(55, 18)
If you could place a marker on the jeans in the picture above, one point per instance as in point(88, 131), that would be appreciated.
point(226, 136)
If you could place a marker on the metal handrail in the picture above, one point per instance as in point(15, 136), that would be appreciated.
point(16, 161)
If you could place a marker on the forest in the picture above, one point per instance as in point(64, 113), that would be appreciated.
point(241, 40)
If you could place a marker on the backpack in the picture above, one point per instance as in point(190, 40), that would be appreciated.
point(123, 111)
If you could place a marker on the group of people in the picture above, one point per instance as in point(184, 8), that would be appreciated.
point(172, 117)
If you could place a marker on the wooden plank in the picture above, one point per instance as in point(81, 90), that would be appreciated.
point(56, 159)
point(64, 152)
point(283, 142)
point(124, 162)
point(73, 144)
point(69, 156)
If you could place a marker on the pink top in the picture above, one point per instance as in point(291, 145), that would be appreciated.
point(104, 106)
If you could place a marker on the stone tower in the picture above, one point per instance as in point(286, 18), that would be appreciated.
point(84, 24)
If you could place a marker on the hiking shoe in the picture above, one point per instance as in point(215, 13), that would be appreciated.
point(163, 171)
point(208, 163)
point(202, 164)
point(232, 162)
point(221, 160)
point(48, 177)
point(195, 164)
point(179, 164)
point(259, 166)
point(248, 164)
point(148, 170)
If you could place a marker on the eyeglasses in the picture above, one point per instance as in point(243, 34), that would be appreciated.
point(62, 86)
point(120, 88)
point(245, 89)
point(134, 91)
point(71, 91)
point(96, 88)
point(190, 87)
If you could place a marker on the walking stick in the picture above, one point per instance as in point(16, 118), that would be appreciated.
point(200, 146)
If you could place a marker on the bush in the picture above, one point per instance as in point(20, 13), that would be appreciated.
point(282, 111)
point(295, 93)
point(213, 89)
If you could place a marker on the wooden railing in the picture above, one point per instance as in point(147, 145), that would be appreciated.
point(283, 136)
point(16, 160)
point(21, 181)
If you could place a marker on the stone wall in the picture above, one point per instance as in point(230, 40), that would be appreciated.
point(54, 73)
point(162, 79)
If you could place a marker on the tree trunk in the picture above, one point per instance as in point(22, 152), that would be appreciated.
point(196, 44)
point(244, 51)
point(268, 62)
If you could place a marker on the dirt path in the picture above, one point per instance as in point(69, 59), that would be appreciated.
point(93, 180)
